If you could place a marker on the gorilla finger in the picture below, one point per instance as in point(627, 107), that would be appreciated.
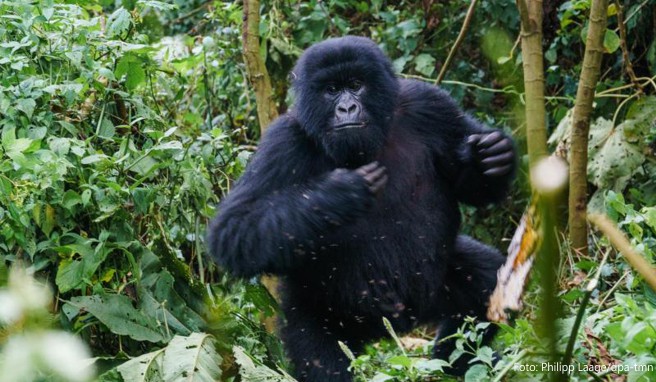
point(490, 139)
point(375, 175)
point(497, 148)
point(367, 168)
point(378, 185)
point(497, 160)
point(498, 171)
point(474, 138)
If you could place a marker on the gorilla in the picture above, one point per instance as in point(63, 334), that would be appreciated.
point(352, 198)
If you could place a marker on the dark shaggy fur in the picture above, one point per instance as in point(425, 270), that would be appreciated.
point(348, 257)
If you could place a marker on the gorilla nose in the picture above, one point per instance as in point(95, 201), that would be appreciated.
point(347, 109)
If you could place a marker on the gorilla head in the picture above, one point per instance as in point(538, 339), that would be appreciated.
point(346, 93)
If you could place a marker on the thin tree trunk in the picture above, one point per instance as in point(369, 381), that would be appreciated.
point(578, 185)
point(266, 107)
point(530, 12)
point(255, 68)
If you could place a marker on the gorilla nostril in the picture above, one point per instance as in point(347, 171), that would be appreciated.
point(352, 108)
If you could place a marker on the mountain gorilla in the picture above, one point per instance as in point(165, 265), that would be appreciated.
point(353, 198)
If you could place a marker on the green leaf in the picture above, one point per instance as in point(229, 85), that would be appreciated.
point(106, 129)
point(425, 64)
point(60, 146)
point(192, 359)
point(400, 360)
point(118, 22)
point(485, 354)
point(252, 372)
point(431, 365)
point(80, 264)
point(640, 119)
point(170, 145)
point(611, 41)
point(163, 302)
point(399, 63)
point(26, 105)
point(157, 5)
point(132, 67)
point(71, 199)
point(477, 373)
point(382, 377)
point(143, 165)
point(260, 297)
point(12, 145)
point(47, 221)
point(93, 158)
point(613, 160)
point(145, 368)
point(117, 313)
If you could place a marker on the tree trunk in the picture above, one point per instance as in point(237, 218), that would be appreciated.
point(578, 174)
point(266, 107)
point(530, 12)
point(255, 68)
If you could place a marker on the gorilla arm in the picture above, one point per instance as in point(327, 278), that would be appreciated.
point(480, 162)
point(271, 219)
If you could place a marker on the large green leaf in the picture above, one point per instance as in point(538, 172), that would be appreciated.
point(184, 359)
point(612, 159)
point(192, 359)
point(145, 368)
point(117, 313)
point(163, 302)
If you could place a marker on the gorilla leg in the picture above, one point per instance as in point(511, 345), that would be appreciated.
point(313, 349)
point(469, 281)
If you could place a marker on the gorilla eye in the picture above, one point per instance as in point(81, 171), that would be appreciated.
point(355, 85)
point(331, 89)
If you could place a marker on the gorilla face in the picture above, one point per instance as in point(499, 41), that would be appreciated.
point(346, 94)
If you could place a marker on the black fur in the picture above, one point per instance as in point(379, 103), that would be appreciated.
point(347, 256)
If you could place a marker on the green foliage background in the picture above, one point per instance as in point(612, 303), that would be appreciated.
point(123, 123)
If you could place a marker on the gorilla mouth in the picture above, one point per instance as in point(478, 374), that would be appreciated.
point(350, 125)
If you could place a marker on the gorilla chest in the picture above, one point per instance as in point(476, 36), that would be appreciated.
point(394, 255)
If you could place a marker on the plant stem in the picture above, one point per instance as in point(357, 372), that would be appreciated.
point(456, 44)
point(621, 243)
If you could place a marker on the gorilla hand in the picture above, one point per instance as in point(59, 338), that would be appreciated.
point(493, 152)
point(354, 191)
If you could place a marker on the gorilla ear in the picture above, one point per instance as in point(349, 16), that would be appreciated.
point(292, 76)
